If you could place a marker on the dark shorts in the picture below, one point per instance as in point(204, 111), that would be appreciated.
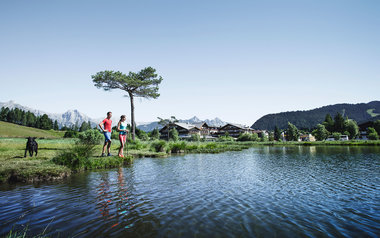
point(107, 136)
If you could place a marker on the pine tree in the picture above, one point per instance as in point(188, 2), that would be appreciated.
point(339, 123)
point(155, 134)
point(329, 123)
point(141, 84)
point(55, 127)
point(277, 133)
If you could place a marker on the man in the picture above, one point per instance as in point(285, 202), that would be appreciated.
point(107, 129)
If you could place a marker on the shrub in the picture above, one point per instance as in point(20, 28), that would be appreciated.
point(248, 137)
point(71, 134)
point(372, 134)
point(115, 135)
point(244, 137)
point(135, 144)
point(177, 147)
point(336, 135)
point(142, 135)
point(264, 138)
point(211, 145)
point(191, 147)
point(255, 137)
point(76, 157)
point(225, 138)
point(195, 137)
point(271, 136)
point(90, 137)
point(159, 145)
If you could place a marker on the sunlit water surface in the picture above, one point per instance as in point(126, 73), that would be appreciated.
point(260, 192)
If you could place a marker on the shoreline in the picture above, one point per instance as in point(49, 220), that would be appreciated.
point(16, 169)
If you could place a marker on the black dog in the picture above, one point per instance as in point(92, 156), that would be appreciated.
point(32, 146)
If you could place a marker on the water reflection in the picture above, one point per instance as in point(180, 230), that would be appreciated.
point(281, 191)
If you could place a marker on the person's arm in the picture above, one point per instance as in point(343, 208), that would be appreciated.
point(118, 127)
point(100, 125)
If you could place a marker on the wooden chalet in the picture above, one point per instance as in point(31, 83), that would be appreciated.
point(205, 129)
point(234, 130)
point(184, 129)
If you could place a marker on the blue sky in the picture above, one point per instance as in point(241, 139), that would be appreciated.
point(236, 60)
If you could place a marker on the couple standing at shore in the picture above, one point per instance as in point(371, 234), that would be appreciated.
point(107, 129)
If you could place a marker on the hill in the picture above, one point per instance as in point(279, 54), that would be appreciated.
point(360, 112)
point(13, 130)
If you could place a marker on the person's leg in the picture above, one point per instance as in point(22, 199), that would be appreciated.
point(109, 148)
point(105, 143)
point(122, 148)
point(104, 148)
point(121, 145)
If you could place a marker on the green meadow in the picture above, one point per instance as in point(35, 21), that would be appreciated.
point(16, 131)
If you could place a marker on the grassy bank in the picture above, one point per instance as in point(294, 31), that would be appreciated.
point(15, 168)
point(50, 165)
point(326, 143)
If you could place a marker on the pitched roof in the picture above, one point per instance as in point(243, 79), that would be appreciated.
point(200, 125)
point(236, 125)
point(186, 126)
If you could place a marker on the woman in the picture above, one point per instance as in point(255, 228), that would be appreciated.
point(122, 129)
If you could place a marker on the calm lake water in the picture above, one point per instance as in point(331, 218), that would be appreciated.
point(259, 192)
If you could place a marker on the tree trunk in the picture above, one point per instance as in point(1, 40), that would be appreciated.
point(132, 116)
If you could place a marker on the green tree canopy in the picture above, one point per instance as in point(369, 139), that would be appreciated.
point(155, 134)
point(352, 128)
point(55, 127)
point(141, 84)
point(167, 122)
point(173, 134)
point(376, 126)
point(321, 133)
point(329, 123)
point(293, 133)
point(277, 133)
point(372, 134)
point(339, 123)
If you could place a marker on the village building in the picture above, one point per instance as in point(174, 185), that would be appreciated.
point(261, 133)
point(307, 137)
point(363, 127)
point(205, 129)
point(234, 130)
point(184, 130)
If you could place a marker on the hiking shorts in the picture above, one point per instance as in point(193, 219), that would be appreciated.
point(107, 136)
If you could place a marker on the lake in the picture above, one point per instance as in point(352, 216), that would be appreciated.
point(294, 191)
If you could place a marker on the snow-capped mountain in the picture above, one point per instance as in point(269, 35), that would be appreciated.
point(149, 126)
point(65, 119)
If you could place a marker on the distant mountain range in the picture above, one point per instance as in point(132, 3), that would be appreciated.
point(71, 117)
point(67, 118)
point(149, 126)
point(360, 112)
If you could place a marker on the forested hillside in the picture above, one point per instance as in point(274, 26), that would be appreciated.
point(360, 112)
